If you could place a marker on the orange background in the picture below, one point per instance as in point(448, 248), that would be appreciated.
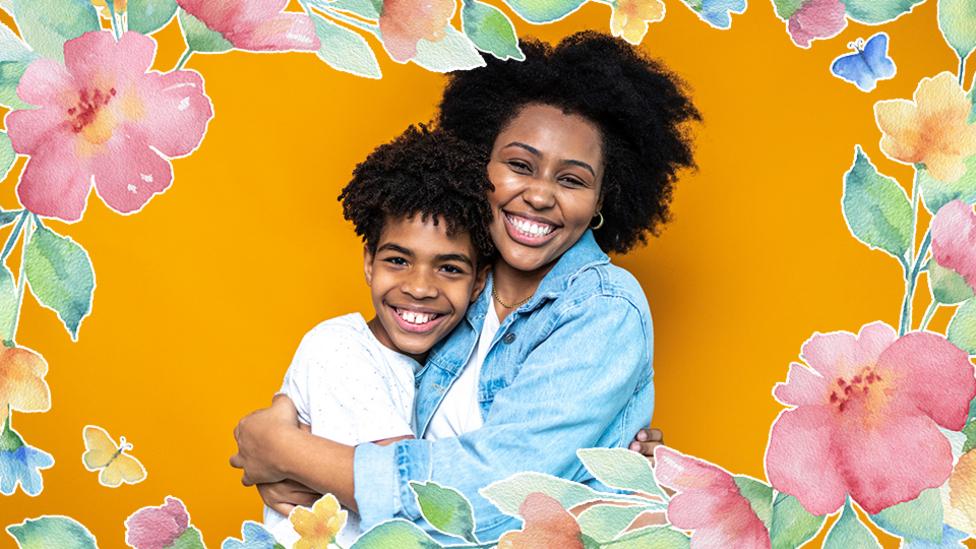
point(203, 296)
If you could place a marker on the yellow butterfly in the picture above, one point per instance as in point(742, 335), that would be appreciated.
point(117, 467)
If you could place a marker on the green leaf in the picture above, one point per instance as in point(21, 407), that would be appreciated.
point(544, 11)
point(344, 49)
point(199, 37)
point(10, 74)
point(7, 155)
point(452, 53)
point(760, 496)
point(936, 194)
point(363, 8)
point(957, 21)
point(876, 208)
point(655, 537)
point(970, 431)
point(620, 468)
point(920, 518)
point(395, 533)
point(47, 24)
point(962, 327)
point(445, 509)
point(60, 276)
point(850, 533)
point(8, 302)
point(948, 287)
point(605, 522)
point(52, 531)
point(490, 30)
point(508, 494)
point(148, 16)
point(189, 539)
point(786, 8)
point(792, 525)
point(8, 217)
point(875, 12)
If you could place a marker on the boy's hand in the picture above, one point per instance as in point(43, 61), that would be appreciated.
point(285, 495)
point(645, 441)
point(259, 441)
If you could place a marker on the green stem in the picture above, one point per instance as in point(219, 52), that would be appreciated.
point(910, 284)
point(20, 288)
point(13, 236)
point(183, 59)
point(928, 314)
point(339, 16)
point(905, 322)
point(962, 70)
point(111, 12)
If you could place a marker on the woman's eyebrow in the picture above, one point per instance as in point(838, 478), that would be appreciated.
point(537, 152)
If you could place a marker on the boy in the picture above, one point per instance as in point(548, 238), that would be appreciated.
point(420, 205)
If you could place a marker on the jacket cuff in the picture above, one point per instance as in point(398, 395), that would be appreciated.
point(376, 491)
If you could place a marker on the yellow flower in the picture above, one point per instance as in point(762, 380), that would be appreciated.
point(318, 527)
point(961, 511)
point(630, 18)
point(102, 7)
point(932, 130)
point(22, 384)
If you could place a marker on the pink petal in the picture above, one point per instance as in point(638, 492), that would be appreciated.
point(842, 354)
point(681, 472)
point(156, 527)
point(803, 386)
point(816, 19)
point(892, 460)
point(284, 32)
point(128, 173)
point(54, 182)
point(218, 16)
point(47, 82)
point(403, 23)
point(954, 239)
point(800, 459)
point(934, 374)
point(177, 111)
point(96, 60)
point(32, 130)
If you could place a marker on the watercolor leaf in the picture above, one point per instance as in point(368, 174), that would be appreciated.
point(199, 37)
point(445, 509)
point(951, 539)
point(490, 30)
point(605, 522)
point(60, 275)
point(148, 16)
point(8, 303)
point(8, 216)
point(544, 11)
point(936, 193)
point(786, 8)
point(850, 533)
point(962, 327)
point(396, 533)
point(47, 24)
point(875, 12)
point(191, 538)
point(14, 58)
point(664, 537)
point(367, 9)
point(620, 468)
point(920, 518)
point(508, 494)
point(792, 525)
point(7, 155)
point(948, 287)
point(717, 13)
point(344, 49)
point(52, 531)
point(253, 536)
point(452, 53)
point(957, 22)
point(759, 495)
point(876, 208)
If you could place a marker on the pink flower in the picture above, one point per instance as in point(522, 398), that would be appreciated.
point(816, 19)
point(547, 524)
point(954, 239)
point(156, 527)
point(103, 116)
point(709, 502)
point(403, 23)
point(256, 25)
point(866, 417)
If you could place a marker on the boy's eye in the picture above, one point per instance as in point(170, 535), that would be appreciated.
point(396, 260)
point(453, 269)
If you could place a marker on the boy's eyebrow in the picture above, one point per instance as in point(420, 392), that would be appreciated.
point(395, 248)
point(456, 257)
point(537, 152)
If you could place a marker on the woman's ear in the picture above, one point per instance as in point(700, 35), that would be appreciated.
point(480, 278)
point(368, 264)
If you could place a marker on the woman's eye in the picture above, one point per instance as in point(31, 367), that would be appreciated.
point(572, 181)
point(519, 166)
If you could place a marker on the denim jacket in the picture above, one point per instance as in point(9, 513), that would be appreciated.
point(570, 368)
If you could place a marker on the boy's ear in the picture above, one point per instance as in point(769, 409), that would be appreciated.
point(481, 277)
point(368, 265)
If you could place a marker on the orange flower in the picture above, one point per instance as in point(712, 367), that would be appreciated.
point(932, 130)
point(547, 524)
point(319, 526)
point(961, 511)
point(22, 384)
point(102, 7)
point(630, 18)
point(403, 23)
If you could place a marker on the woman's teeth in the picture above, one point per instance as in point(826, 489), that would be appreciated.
point(530, 228)
point(414, 317)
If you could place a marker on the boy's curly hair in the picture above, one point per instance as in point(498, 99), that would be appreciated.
point(426, 172)
point(640, 107)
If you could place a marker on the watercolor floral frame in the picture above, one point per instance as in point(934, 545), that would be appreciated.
point(75, 73)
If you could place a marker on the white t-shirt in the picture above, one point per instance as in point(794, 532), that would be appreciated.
point(349, 388)
point(460, 411)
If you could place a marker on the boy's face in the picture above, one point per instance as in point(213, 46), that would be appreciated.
point(421, 281)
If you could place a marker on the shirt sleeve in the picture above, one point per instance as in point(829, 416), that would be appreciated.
point(570, 392)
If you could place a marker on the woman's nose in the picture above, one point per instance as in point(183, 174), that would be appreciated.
point(539, 194)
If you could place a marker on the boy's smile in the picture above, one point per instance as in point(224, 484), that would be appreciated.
point(421, 283)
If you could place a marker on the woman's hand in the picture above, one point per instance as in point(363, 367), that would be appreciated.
point(262, 440)
point(285, 495)
point(645, 441)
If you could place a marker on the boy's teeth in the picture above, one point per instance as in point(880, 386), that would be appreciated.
point(414, 317)
point(529, 227)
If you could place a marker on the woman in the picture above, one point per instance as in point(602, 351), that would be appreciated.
point(585, 142)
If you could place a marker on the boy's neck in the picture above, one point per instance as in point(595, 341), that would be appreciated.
point(380, 334)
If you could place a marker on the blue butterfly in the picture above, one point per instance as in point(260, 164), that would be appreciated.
point(868, 64)
point(717, 13)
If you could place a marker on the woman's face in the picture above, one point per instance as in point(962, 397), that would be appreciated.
point(547, 169)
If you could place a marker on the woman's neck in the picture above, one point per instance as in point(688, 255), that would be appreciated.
point(513, 286)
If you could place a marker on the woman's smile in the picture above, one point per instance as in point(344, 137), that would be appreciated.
point(530, 231)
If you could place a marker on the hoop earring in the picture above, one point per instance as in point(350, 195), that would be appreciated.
point(599, 223)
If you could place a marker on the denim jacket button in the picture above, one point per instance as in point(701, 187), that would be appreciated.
point(509, 338)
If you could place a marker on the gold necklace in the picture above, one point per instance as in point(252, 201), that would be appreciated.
point(494, 294)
